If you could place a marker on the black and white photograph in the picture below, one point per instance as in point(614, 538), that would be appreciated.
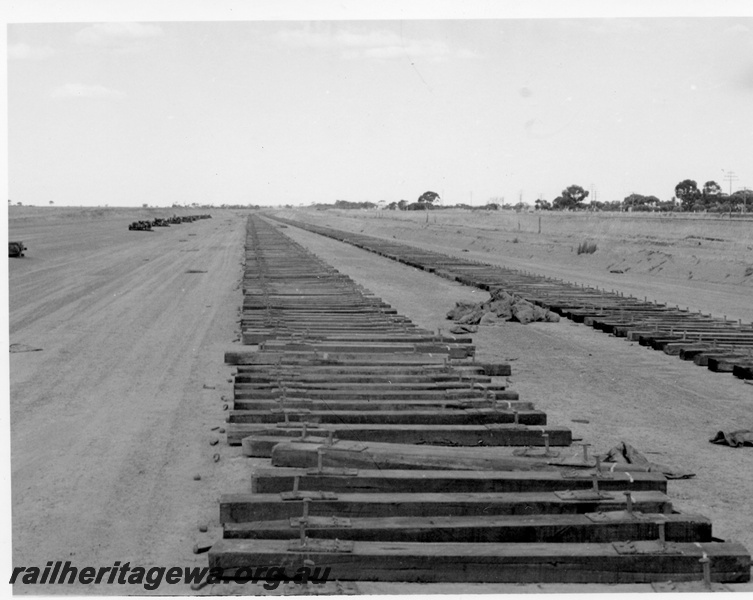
point(401, 298)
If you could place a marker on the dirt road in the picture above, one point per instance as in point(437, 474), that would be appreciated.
point(111, 419)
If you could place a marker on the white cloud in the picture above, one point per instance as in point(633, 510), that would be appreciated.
point(116, 33)
point(81, 90)
point(373, 44)
point(21, 51)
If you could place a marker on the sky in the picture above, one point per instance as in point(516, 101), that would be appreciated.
point(232, 107)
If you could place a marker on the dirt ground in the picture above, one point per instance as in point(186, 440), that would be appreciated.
point(113, 418)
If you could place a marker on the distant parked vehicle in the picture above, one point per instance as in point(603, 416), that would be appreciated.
point(16, 249)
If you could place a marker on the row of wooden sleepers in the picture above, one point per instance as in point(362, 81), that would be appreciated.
point(720, 344)
point(396, 456)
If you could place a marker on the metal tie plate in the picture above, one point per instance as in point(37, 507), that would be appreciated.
point(332, 472)
point(611, 516)
point(583, 495)
point(586, 474)
point(645, 547)
point(321, 522)
point(309, 494)
point(317, 545)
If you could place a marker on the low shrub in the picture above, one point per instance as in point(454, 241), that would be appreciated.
point(586, 248)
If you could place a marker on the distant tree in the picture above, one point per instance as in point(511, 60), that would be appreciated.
point(492, 206)
point(427, 197)
point(667, 206)
point(542, 204)
point(19, 203)
point(721, 205)
point(353, 205)
point(613, 206)
point(402, 205)
point(572, 197)
point(688, 194)
point(633, 201)
point(742, 199)
point(51, 203)
point(392, 205)
point(145, 205)
point(639, 202)
point(711, 189)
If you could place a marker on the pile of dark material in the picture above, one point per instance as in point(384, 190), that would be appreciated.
point(140, 226)
point(499, 308)
point(176, 220)
point(16, 249)
point(159, 222)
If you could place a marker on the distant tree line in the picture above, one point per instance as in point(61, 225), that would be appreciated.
point(687, 198)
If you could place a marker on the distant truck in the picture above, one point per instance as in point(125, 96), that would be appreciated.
point(16, 249)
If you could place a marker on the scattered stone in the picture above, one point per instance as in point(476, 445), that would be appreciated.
point(201, 549)
point(499, 308)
